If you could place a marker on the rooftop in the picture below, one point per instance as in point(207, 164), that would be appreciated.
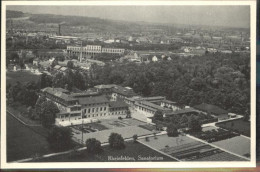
point(211, 109)
point(117, 104)
point(151, 106)
point(105, 86)
point(59, 92)
point(182, 111)
point(124, 91)
point(92, 100)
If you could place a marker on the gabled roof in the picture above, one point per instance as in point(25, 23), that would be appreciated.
point(182, 111)
point(105, 86)
point(57, 67)
point(59, 92)
point(210, 109)
point(124, 91)
point(117, 104)
point(63, 69)
point(92, 100)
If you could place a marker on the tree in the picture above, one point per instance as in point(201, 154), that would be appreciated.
point(158, 115)
point(59, 138)
point(54, 63)
point(135, 138)
point(194, 124)
point(48, 112)
point(93, 145)
point(45, 81)
point(38, 105)
point(128, 114)
point(116, 141)
point(70, 64)
point(172, 130)
point(184, 120)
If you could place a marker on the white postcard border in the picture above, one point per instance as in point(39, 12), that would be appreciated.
point(251, 163)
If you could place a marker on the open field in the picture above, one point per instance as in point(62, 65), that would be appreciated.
point(22, 142)
point(114, 123)
point(239, 126)
point(188, 149)
point(22, 76)
point(239, 145)
point(102, 136)
point(164, 141)
point(132, 152)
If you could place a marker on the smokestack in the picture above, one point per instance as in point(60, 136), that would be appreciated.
point(59, 31)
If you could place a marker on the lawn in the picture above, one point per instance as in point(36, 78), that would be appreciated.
point(239, 126)
point(164, 141)
point(22, 76)
point(132, 152)
point(23, 142)
point(116, 123)
point(102, 136)
point(239, 145)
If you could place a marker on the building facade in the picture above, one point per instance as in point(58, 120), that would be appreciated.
point(91, 50)
point(84, 107)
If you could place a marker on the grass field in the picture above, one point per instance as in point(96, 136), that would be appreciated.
point(116, 123)
point(240, 126)
point(22, 142)
point(102, 136)
point(22, 76)
point(164, 141)
point(132, 152)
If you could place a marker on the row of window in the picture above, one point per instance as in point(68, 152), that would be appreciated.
point(104, 114)
point(144, 109)
point(89, 110)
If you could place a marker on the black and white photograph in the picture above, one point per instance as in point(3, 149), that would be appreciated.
point(157, 84)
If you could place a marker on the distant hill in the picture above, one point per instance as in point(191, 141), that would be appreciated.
point(14, 14)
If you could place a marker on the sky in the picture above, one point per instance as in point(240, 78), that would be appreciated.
point(228, 16)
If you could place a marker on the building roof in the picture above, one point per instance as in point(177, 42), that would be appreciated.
point(84, 93)
point(63, 69)
point(92, 100)
point(169, 102)
point(182, 111)
point(117, 104)
point(105, 86)
point(155, 98)
point(127, 92)
point(59, 92)
point(150, 106)
point(210, 109)
point(57, 67)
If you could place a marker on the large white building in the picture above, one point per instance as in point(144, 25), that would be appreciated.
point(91, 50)
point(84, 107)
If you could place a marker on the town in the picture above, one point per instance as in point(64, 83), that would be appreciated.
point(81, 92)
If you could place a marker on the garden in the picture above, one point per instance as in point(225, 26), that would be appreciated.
point(239, 126)
point(214, 135)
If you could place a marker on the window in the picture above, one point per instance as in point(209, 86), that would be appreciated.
point(93, 109)
point(105, 108)
point(100, 108)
